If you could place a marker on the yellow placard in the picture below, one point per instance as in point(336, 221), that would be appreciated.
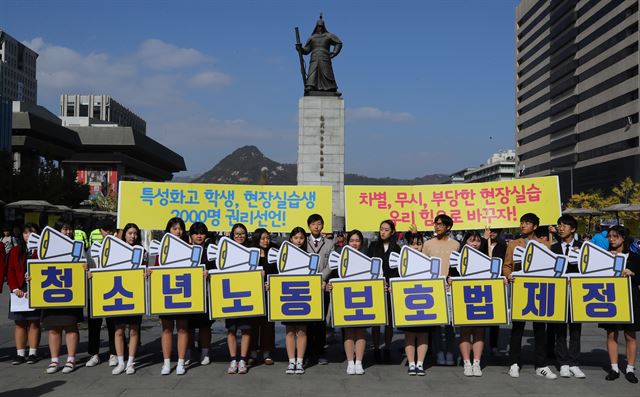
point(361, 303)
point(277, 208)
point(418, 302)
point(177, 290)
point(56, 285)
point(32, 217)
point(601, 300)
point(236, 294)
point(470, 205)
point(117, 292)
point(542, 299)
point(295, 298)
point(479, 302)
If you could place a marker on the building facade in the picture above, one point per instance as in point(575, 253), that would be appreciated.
point(90, 110)
point(577, 92)
point(17, 70)
point(500, 166)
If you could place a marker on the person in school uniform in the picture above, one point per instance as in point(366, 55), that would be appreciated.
point(496, 248)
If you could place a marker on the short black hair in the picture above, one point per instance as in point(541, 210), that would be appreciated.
point(314, 218)
point(567, 219)
point(445, 219)
point(107, 226)
point(531, 218)
point(198, 228)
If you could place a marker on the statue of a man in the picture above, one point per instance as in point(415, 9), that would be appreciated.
point(320, 79)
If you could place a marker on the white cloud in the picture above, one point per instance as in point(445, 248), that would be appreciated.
point(157, 54)
point(374, 114)
point(210, 79)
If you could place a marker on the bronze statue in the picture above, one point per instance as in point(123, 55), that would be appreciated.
point(320, 79)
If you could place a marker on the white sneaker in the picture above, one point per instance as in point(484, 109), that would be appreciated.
point(565, 372)
point(477, 371)
point(69, 367)
point(233, 367)
point(440, 358)
point(291, 369)
point(299, 369)
point(546, 372)
point(514, 371)
point(166, 369)
point(577, 372)
point(359, 369)
point(351, 368)
point(467, 370)
point(113, 360)
point(93, 361)
point(450, 359)
point(118, 369)
point(180, 370)
point(53, 367)
point(131, 369)
point(205, 360)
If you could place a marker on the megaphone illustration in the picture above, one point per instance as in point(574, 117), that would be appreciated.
point(117, 253)
point(95, 252)
point(414, 264)
point(231, 256)
point(474, 264)
point(537, 258)
point(53, 245)
point(595, 261)
point(292, 260)
point(172, 251)
point(354, 265)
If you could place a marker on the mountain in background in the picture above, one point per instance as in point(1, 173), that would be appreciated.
point(244, 166)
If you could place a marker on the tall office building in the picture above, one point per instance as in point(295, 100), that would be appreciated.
point(577, 92)
point(17, 70)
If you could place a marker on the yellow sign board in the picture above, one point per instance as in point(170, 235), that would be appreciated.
point(479, 302)
point(539, 299)
point(117, 293)
point(236, 294)
point(361, 303)
point(277, 208)
point(470, 205)
point(56, 285)
point(177, 290)
point(295, 298)
point(601, 300)
point(416, 303)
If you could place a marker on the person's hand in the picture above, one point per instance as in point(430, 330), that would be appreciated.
point(89, 275)
point(27, 277)
point(324, 285)
point(329, 287)
point(413, 228)
point(19, 293)
point(266, 286)
point(628, 273)
point(205, 273)
point(510, 278)
point(553, 229)
point(386, 286)
point(506, 280)
point(487, 233)
point(85, 266)
point(147, 272)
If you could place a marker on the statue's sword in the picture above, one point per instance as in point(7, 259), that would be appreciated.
point(302, 66)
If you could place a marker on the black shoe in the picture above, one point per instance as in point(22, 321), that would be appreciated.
point(631, 377)
point(18, 360)
point(412, 370)
point(376, 355)
point(32, 359)
point(386, 356)
point(613, 375)
point(419, 370)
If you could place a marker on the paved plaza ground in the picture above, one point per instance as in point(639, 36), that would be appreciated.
point(379, 379)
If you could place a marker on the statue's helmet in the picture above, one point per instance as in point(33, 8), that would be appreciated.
point(320, 24)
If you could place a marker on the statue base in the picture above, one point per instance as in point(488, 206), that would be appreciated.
point(323, 93)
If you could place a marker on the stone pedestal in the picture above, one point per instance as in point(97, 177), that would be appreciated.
point(321, 148)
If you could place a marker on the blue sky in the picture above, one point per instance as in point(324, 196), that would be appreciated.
point(428, 85)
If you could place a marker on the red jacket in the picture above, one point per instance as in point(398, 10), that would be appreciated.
point(17, 266)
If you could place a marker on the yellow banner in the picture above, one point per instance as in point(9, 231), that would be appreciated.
point(236, 294)
point(117, 292)
point(278, 208)
point(358, 303)
point(601, 300)
point(418, 302)
point(56, 284)
point(295, 298)
point(470, 205)
point(479, 302)
point(177, 290)
point(542, 299)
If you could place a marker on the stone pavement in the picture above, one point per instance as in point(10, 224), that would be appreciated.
point(31, 380)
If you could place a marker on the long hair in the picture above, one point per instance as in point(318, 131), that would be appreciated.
point(297, 230)
point(33, 228)
point(246, 232)
point(474, 233)
point(257, 236)
point(132, 226)
point(177, 221)
point(624, 233)
point(356, 232)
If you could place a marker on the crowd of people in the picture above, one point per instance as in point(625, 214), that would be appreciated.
point(306, 341)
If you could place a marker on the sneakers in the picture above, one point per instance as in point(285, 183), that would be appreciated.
point(577, 372)
point(113, 360)
point(180, 370)
point(420, 370)
point(299, 368)
point(612, 375)
point(130, 370)
point(514, 371)
point(94, 360)
point(322, 360)
point(440, 358)
point(205, 360)
point(631, 377)
point(291, 369)
point(449, 360)
point(242, 367)
point(467, 370)
point(546, 372)
point(118, 369)
point(351, 368)
point(32, 359)
point(69, 367)
point(53, 367)
point(476, 370)
point(412, 370)
point(18, 360)
point(233, 367)
point(564, 371)
point(166, 369)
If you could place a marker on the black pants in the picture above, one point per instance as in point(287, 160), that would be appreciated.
point(494, 333)
point(317, 333)
point(515, 345)
point(94, 325)
point(563, 355)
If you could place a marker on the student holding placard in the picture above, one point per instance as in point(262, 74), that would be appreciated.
point(27, 322)
point(239, 234)
point(382, 248)
point(496, 248)
point(619, 241)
